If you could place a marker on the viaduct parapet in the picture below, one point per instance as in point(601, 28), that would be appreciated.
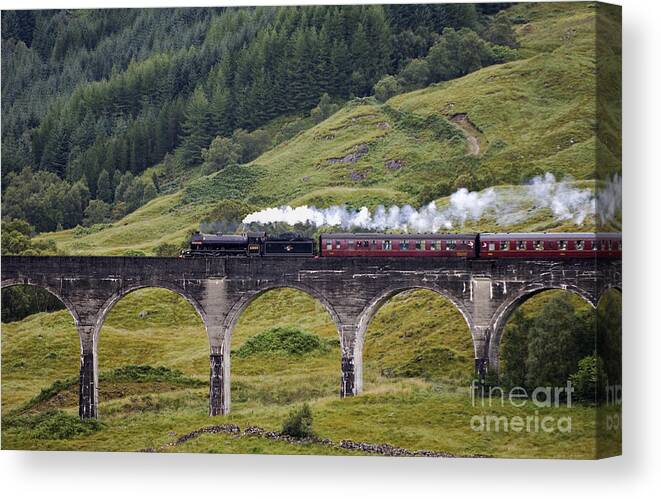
point(486, 292)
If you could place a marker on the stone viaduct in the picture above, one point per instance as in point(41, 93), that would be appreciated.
point(486, 292)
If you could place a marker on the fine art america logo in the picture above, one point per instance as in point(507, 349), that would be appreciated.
point(542, 397)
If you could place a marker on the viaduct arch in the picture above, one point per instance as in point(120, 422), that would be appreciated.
point(351, 290)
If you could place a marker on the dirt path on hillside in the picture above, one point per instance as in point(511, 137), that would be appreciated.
point(470, 131)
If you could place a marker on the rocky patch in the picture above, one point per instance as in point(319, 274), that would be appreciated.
point(394, 164)
point(360, 151)
point(256, 431)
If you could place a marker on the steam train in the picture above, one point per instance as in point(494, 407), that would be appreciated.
point(476, 245)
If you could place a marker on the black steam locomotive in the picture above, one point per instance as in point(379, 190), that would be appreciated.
point(249, 244)
point(350, 245)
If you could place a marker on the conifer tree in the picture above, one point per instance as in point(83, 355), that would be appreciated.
point(104, 190)
point(196, 128)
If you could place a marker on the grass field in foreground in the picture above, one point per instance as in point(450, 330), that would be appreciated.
point(411, 400)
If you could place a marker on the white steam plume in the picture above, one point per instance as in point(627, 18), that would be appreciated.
point(507, 206)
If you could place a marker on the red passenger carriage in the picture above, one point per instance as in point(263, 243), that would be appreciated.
point(398, 245)
point(551, 245)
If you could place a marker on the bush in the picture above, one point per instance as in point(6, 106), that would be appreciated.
point(133, 252)
point(80, 231)
point(588, 379)
point(52, 425)
point(416, 74)
point(282, 339)
point(298, 423)
point(222, 152)
point(387, 87)
point(166, 249)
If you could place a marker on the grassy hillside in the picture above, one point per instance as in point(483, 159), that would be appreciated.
point(534, 115)
point(530, 116)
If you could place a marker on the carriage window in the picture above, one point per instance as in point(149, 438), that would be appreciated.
point(580, 245)
point(610, 245)
point(520, 245)
point(492, 246)
point(373, 244)
point(562, 245)
point(329, 244)
point(419, 245)
point(387, 244)
point(350, 244)
point(470, 244)
point(504, 245)
point(451, 245)
point(433, 245)
point(539, 245)
point(404, 245)
point(337, 244)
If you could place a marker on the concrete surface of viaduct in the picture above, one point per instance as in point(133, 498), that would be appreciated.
point(486, 292)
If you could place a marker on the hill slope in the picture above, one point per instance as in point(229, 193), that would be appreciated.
point(528, 117)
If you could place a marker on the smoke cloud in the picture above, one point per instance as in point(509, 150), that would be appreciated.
point(507, 206)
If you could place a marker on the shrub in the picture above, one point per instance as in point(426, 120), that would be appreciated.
point(80, 231)
point(282, 339)
point(222, 152)
point(53, 425)
point(387, 87)
point(133, 252)
point(588, 379)
point(166, 249)
point(416, 74)
point(298, 423)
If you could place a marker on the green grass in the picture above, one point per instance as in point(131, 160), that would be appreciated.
point(418, 360)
